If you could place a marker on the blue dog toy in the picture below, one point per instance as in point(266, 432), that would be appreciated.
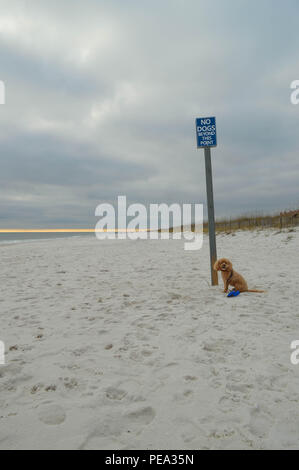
point(234, 293)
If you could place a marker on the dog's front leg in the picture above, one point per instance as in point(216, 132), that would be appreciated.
point(226, 287)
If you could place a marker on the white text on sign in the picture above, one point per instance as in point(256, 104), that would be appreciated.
point(206, 132)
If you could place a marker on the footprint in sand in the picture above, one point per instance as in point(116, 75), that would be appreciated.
point(260, 422)
point(190, 378)
point(115, 394)
point(36, 388)
point(70, 383)
point(52, 415)
point(142, 415)
point(184, 396)
point(51, 388)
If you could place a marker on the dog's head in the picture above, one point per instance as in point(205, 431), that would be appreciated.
point(223, 264)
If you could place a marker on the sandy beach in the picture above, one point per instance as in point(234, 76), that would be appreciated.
point(124, 345)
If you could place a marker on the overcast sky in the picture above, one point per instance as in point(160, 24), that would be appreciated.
point(102, 96)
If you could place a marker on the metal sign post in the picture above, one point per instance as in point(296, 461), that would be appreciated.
point(207, 138)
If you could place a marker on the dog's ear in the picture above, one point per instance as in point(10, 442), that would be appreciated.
point(230, 264)
point(216, 266)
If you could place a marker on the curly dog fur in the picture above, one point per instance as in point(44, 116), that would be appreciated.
point(231, 277)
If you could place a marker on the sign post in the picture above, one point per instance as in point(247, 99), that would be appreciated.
point(207, 138)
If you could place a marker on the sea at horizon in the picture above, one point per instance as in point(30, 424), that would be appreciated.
point(11, 238)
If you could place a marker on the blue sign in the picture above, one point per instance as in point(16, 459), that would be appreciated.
point(206, 132)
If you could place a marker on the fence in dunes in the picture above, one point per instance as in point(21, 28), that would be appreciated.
point(283, 220)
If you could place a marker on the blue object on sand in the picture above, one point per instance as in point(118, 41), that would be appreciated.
point(234, 293)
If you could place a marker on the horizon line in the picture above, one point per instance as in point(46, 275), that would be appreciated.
point(71, 230)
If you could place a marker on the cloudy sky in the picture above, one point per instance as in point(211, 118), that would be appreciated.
point(101, 99)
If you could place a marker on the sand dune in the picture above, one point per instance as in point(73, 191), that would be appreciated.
point(124, 345)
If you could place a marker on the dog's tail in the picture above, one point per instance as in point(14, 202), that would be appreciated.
point(256, 291)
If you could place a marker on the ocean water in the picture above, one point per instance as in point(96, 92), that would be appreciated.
point(11, 238)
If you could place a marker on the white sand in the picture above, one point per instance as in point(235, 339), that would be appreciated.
point(123, 345)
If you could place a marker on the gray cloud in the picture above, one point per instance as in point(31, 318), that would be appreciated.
point(41, 159)
point(102, 98)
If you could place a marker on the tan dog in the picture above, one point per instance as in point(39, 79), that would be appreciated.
point(231, 277)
